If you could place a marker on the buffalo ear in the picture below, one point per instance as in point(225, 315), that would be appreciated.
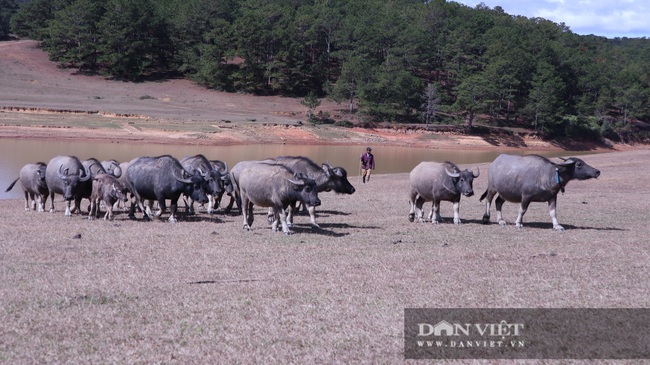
point(477, 174)
point(327, 168)
point(566, 163)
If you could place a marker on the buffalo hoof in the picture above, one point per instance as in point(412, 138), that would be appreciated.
point(411, 217)
point(132, 217)
point(503, 223)
point(288, 233)
point(519, 225)
point(486, 219)
point(558, 228)
point(315, 226)
point(146, 218)
point(457, 221)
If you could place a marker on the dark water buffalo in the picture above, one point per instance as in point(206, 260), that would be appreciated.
point(108, 190)
point(32, 180)
point(161, 178)
point(94, 167)
point(436, 182)
point(215, 177)
point(272, 185)
point(526, 179)
point(112, 167)
point(66, 175)
point(327, 178)
point(227, 185)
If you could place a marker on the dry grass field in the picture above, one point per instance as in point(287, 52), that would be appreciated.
point(205, 291)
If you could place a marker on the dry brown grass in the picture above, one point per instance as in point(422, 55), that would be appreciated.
point(204, 291)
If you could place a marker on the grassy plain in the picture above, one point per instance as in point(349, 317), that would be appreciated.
point(205, 291)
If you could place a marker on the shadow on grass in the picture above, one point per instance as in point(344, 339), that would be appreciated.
point(540, 225)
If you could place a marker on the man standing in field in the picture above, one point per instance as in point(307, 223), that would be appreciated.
point(367, 164)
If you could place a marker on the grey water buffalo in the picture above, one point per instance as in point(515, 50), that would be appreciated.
point(112, 167)
point(327, 178)
point(215, 177)
point(272, 185)
point(436, 182)
point(532, 178)
point(32, 180)
point(161, 178)
point(227, 185)
point(66, 175)
point(107, 189)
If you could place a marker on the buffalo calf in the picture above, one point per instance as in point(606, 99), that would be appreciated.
point(107, 189)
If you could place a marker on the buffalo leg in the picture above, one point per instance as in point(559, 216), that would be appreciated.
point(27, 201)
point(412, 199)
point(457, 212)
point(488, 204)
point(42, 199)
point(93, 209)
point(437, 218)
point(283, 220)
point(52, 202)
point(522, 210)
point(246, 208)
point(270, 216)
point(498, 203)
point(109, 211)
point(552, 205)
point(68, 211)
point(173, 207)
point(312, 215)
point(162, 207)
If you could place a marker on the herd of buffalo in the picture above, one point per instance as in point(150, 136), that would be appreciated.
point(280, 184)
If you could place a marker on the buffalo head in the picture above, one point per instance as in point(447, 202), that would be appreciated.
point(576, 168)
point(70, 181)
point(464, 180)
point(306, 188)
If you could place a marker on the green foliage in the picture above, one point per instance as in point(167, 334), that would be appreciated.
point(7, 9)
point(32, 19)
point(376, 57)
point(73, 35)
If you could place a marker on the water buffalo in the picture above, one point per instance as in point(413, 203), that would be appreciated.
point(112, 167)
point(214, 176)
point(532, 178)
point(32, 180)
point(66, 175)
point(94, 167)
point(108, 190)
point(436, 182)
point(327, 178)
point(272, 185)
point(161, 178)
point(227, 185)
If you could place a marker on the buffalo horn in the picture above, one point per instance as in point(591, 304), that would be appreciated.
point(184, 181)
point(117, 171)
point(297, 182)
point(61, 173)
point(452, 174)
point(84, 175)
point(477, 174)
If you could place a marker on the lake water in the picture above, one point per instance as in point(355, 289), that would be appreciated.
point(15, 153)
